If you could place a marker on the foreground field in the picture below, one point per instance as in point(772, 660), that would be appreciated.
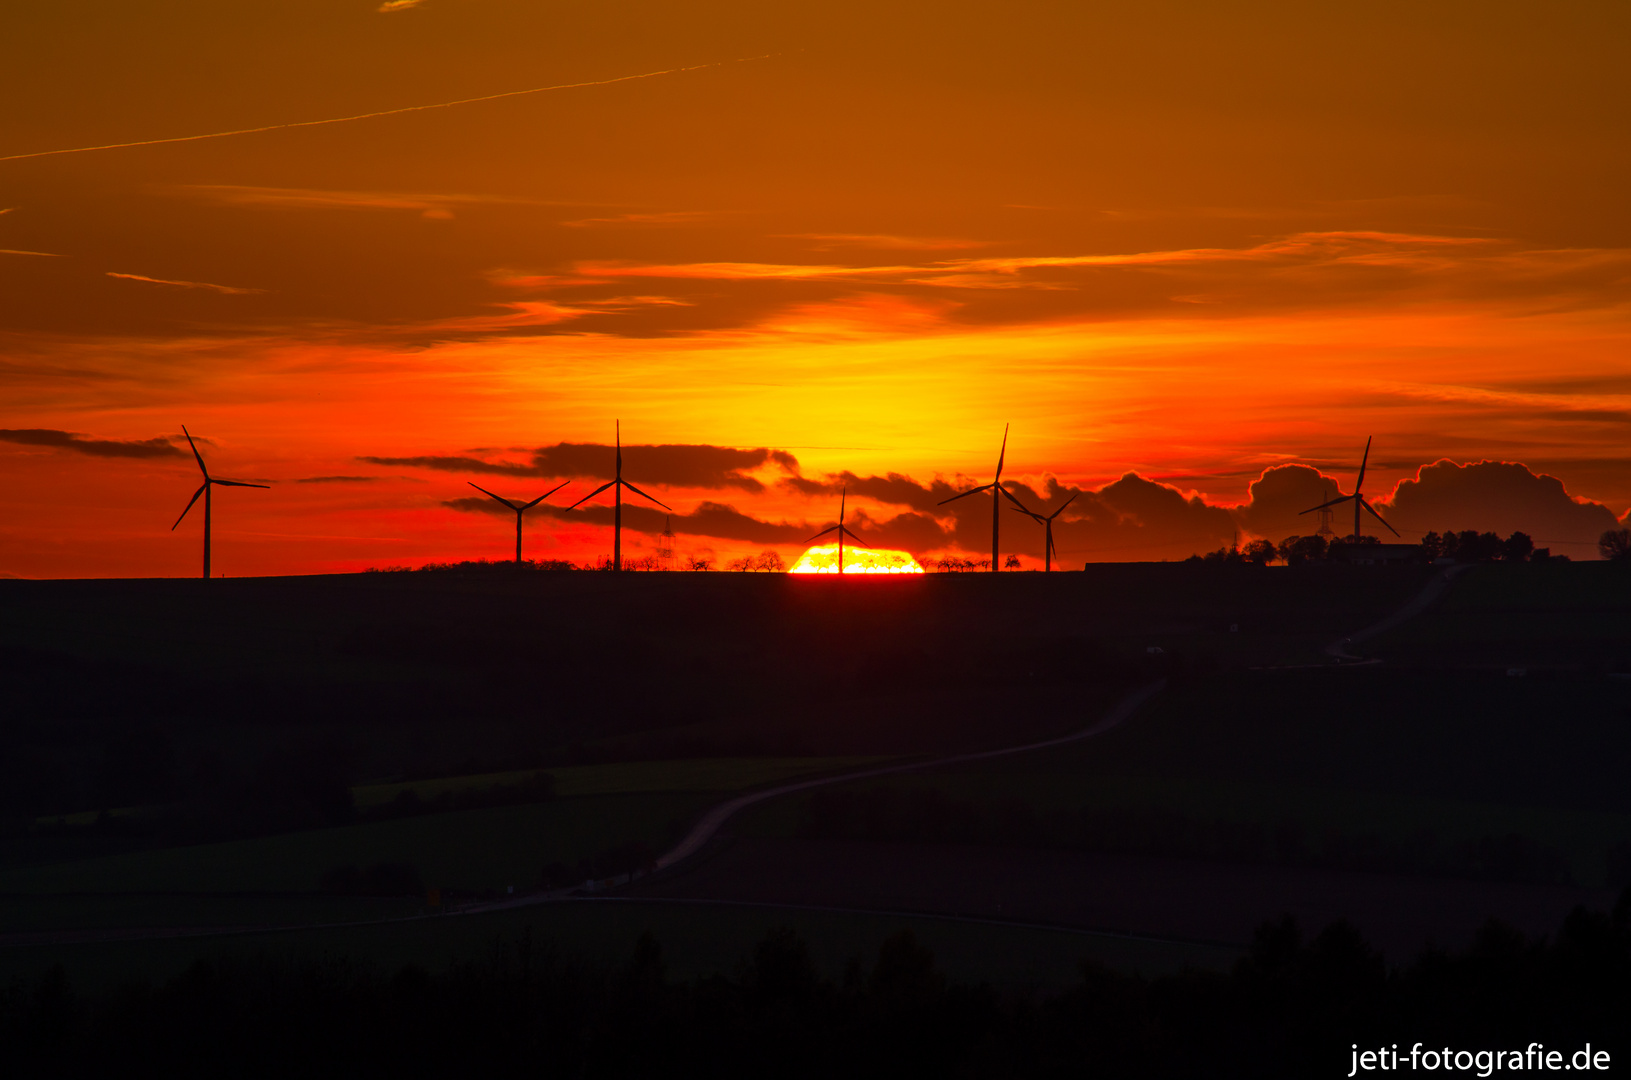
point(1416, 797)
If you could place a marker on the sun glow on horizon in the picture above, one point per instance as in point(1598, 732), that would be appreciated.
point(823, 559)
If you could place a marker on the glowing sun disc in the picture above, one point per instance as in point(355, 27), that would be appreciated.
point(823, 559)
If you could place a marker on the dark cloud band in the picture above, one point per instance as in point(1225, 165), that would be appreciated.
point(158, 447)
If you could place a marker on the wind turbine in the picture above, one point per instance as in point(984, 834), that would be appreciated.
point(617, 484)
point(519, 510)
point(1047, 523)
point(997, 491)
point(841, 529)
point(204, 490)
point(1358, 499)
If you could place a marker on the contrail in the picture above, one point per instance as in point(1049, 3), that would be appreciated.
point(382, 112)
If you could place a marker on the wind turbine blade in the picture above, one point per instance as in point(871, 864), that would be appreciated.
point(194, 499)
point(1038, 518)
point(196, 454)
point(591, 495)
point(1013, 499)
point(544, 496)
point(490, 495)
point(842, 496)
point(1323, 505)
point(1379, 517)
point(852, 536)
point(1064, 504)
point(239, 483)
point(643, 495)
point(1362, 463)
point(822, 533)
point(966, 494)
point(1003, 453)
point(619, 424)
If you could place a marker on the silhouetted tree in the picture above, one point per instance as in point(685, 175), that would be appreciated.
point(1615, 544)
point(1517, 547)
point(770, 563)
point(1298, 549)
point(1259, 552)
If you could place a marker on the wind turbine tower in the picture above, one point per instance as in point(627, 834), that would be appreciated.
point(1358, 499)
point(998, 493)
point(617, 484)
point(841, 529)
point(1048, 549)
point(519, 508)
point(204, 490)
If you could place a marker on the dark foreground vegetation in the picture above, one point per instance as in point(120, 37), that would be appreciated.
point(1294, 1007)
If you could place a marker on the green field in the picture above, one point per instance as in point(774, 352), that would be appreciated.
point(469, 850)
point(626, 777)
point(1392, 761)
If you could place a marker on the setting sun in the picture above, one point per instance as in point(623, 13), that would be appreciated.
point(823, 559)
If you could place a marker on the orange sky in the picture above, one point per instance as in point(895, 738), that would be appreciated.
point(1170, 240)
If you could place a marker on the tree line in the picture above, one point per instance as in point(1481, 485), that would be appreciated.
point(1293, 1006)
point(1468, 545)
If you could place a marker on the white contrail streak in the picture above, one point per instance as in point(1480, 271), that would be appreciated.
point(382, 112)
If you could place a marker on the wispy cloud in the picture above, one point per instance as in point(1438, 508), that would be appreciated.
point(397, 5)
point(337, 479)
point(159, 446)
point(435, 204)
point(46, 254)
point(230, 290)
point(690, 465)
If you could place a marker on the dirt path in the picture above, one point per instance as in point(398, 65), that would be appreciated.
point(705, 829)
point(1430, 595)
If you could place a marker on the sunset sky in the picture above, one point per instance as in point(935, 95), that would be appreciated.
point(837, 244)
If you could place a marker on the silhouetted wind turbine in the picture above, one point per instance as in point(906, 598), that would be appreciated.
point(519, 510)
point(841, 529)
point(997, 492)
point(1358, 499)
point(617, 485)
point(1047, 523)
point(204, 490)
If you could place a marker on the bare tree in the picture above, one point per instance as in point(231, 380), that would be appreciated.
point(1615, 544)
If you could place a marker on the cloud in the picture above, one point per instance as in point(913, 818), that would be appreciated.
point(1129, 519)
point(337, 479)
point(228, 289)
point(157, 447)
point(712, 519)
point(397, 5)
point(1488, 496)
point(1497, 496)
point(1275, 502)
point(433, 205)
point(667, 465)
point(1329, 270)
point(42, 254)
point(454, 464)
